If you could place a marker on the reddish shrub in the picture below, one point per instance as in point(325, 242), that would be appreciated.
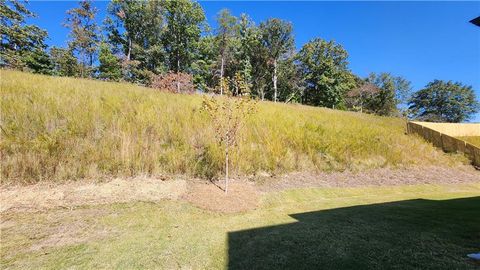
point(173, 82)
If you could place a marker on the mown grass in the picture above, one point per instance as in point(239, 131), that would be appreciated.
point(402, 227)
point(63, 128)
point(475, 140)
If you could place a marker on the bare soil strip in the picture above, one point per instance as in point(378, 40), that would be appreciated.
point(374, 177)
point(243, 193)
point(45, 196)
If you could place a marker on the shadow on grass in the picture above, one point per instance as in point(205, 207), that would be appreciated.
point(413, 234)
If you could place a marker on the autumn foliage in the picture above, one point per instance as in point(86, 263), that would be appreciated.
point(228, 116)
point(174, 82)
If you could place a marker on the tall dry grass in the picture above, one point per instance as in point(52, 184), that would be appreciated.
point(63, 128)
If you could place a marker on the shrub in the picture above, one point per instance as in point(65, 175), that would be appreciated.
point(174, 82)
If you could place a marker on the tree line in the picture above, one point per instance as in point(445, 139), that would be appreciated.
point(169, 45)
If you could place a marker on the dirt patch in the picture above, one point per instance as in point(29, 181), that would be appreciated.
point(45, 196)
point(375, 177)
point(241, 196)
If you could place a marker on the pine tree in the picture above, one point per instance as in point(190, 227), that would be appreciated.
point(38, 61)
point(110, 67)
point(64, 62)
point(205, 62)
point(21, 44)
point(83, 35)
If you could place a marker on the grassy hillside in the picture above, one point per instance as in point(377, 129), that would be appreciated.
point(63, 128)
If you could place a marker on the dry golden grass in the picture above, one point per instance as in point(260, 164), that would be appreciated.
point(63, 128)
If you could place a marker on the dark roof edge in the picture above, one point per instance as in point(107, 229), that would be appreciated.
point(476, 21)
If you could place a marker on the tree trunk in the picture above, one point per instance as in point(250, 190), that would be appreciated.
point(84, 64)
point(361, 102)
point(289, 98)
point(221, 75)
point(178, 69)
point(275, 80)
point(129, 49)
point(226, 169)
point(90, 60)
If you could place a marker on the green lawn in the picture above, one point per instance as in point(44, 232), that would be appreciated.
point(404, 227)
point(475, 140)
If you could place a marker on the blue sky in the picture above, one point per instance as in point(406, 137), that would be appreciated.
point(420, 41)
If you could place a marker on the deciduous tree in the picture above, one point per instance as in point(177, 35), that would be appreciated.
point(442, 101)
point(290, 82)
point(225, 33)
point(324, 67)
point(393, 90)
point(184, 22)
point(228, 115)
point(259, 58)
point(358, 97)
point(135, 30)
point(277, 39)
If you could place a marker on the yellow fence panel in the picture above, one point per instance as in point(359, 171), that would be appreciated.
point(442, 135)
